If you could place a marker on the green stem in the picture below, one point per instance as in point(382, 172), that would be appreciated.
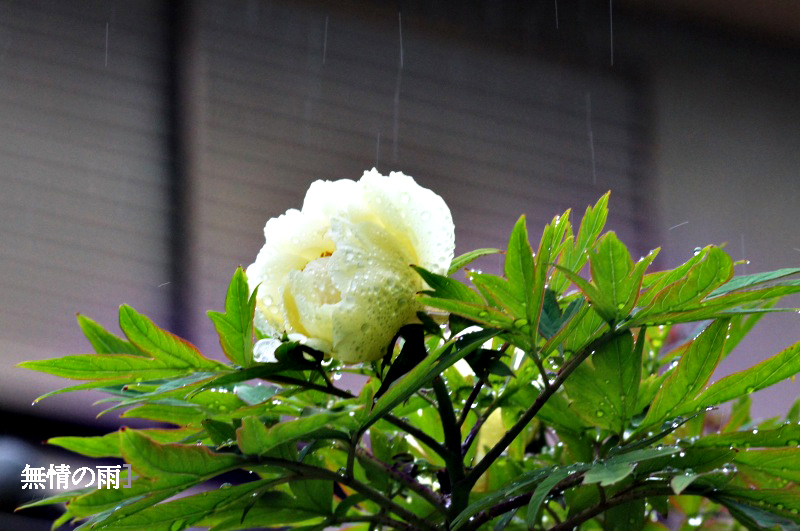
point(531, 412)
point(407, 481)
point(314, 472)
point(351, 453)
point(377, 518)
point(623, 497)
point(420, 435)
point(473, 395)
point(452, 441)
point(540, 366)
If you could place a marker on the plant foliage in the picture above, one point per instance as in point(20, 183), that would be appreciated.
point(579, 407)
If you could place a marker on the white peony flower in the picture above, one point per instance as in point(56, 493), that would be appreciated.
point(337, 271)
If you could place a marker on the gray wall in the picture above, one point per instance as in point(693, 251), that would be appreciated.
point(727, 160)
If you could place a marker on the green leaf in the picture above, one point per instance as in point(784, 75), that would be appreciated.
point(182, 414)
point(779, 462)
point(679, 483)
point(615, 276)
point(61, 497)
point(214, 507)
point(742, 324)
point(712, 270)
point(767, 507)
point(316, 495)
point(108, 368)
point(153, 460)
point(103, 341)
point(109, 445)
point(783, 365)
point(550, 318)
point(423, 374)
point(747, 281)
point(273, 509)
point(574, 257)
point(690, 376)
point(694, 460)
point(255, 439)
point(601, 302)
point(162, 345)
point(608, 473)
point(787, 435)
point(503, 522)
point(573, 317)
point(115, 504)
point(220, 433)
point(519, 266)
point(235, 326)
point(479, 313)
point(541, 492)
point(756, 518)
point(603, 389)
point(467, 258)
point(443, 287)
point(550, 246)
point(499, 293)
point(625, 517)
point(520, 486)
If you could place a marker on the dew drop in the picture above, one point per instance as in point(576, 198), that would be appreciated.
point(600, 413)
point(792, 442)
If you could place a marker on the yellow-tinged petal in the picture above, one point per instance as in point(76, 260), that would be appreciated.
point(338, 272)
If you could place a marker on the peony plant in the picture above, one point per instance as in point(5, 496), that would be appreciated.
point(542, 398)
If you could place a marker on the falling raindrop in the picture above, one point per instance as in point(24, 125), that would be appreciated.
point(106, 56)
point(591, 134)
point(679, 225)
point(611, 28)
point(325, 42)
point(744, 256)
point(378, 150)
point(556, 14)
point(400, 26)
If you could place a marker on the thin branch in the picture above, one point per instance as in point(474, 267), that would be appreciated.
point(314, 472)
point(540, 401)
point(473, 395)
point(351, 453)
point(488, 411)
point(473, 433)
point(426, 398)
point(406, 480)
point(552, 513)
point(570, 481)
point(420, 435)
point(452, 435)
point(542, 371)
point(623, 497)
point(375, 518)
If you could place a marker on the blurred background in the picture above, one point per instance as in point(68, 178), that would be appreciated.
point(144, 144)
